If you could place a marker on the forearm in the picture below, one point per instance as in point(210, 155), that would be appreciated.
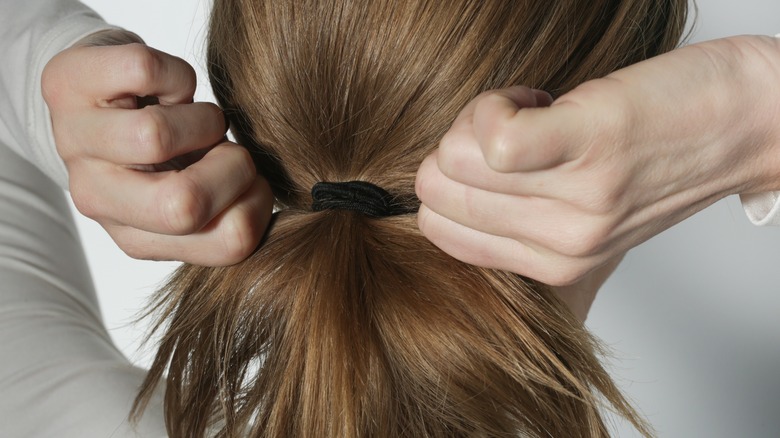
point(762, 203)
point(29, 37)
point(756, 125)
point(757, 119)
point(715, 127)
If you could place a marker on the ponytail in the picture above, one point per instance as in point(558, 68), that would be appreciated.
point(346, 323)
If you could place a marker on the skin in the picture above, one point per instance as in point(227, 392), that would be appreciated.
point(556, 191)
point(560, 191)
point(160, 178)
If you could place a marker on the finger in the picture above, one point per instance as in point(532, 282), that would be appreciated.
point(488, 251)
point(176, 202)
point(525, 97)
point(228, 239)
point(514, 136)
point(113, 72)
point(459, 158)
point(546, 223)
point(152, 135)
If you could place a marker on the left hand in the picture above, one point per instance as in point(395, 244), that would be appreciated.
point(160, 179)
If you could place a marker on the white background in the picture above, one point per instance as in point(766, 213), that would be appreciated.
point(693, 315)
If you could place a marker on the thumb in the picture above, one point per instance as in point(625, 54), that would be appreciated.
point(517, 134)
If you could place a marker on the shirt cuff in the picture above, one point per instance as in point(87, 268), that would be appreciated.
point(762, 208)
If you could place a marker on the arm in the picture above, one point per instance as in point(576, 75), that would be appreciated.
point(555, 192)
point(60, 373)
point(762, 208)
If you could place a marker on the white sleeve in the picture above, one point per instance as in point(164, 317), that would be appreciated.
point(31, 33)
point(762, 208)
point(60, 373)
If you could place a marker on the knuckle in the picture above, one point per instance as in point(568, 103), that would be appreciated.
point(154, 135)
point(133, 251)
point(449, 159)
point(605, 200)
point(477, 101)
point(603, 195)
point(420, 186)
point(496, 142)
point(142, 64)
point(190, 82)
point(422, 182)
point(182, 208)
point(239, 237)
point(581, 242)
point(498, 151)
point(84, 199)
point(494, 97)
point(589, 243)
point(130, 246)
point(560, 271)
point(424, 224)
point(85, 203)
point(565, 276)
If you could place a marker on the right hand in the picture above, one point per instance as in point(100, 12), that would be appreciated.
point(122, 156)
point(554, 191)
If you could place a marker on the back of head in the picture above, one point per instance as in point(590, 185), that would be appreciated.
point(344, 325)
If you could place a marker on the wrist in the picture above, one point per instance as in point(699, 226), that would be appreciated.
point(755, 97)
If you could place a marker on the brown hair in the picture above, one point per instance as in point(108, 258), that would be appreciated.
point(343, 325)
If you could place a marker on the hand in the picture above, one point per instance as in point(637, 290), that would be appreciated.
point(159, 178)
point(554, 192)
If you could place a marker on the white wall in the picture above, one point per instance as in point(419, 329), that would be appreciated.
point(693, 315)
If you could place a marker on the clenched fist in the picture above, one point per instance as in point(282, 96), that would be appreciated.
point(144, 161)
point(556, 190)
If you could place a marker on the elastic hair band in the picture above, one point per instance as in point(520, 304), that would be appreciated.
point(359, 196)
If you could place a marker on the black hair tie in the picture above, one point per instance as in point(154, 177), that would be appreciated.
point(359, 196)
